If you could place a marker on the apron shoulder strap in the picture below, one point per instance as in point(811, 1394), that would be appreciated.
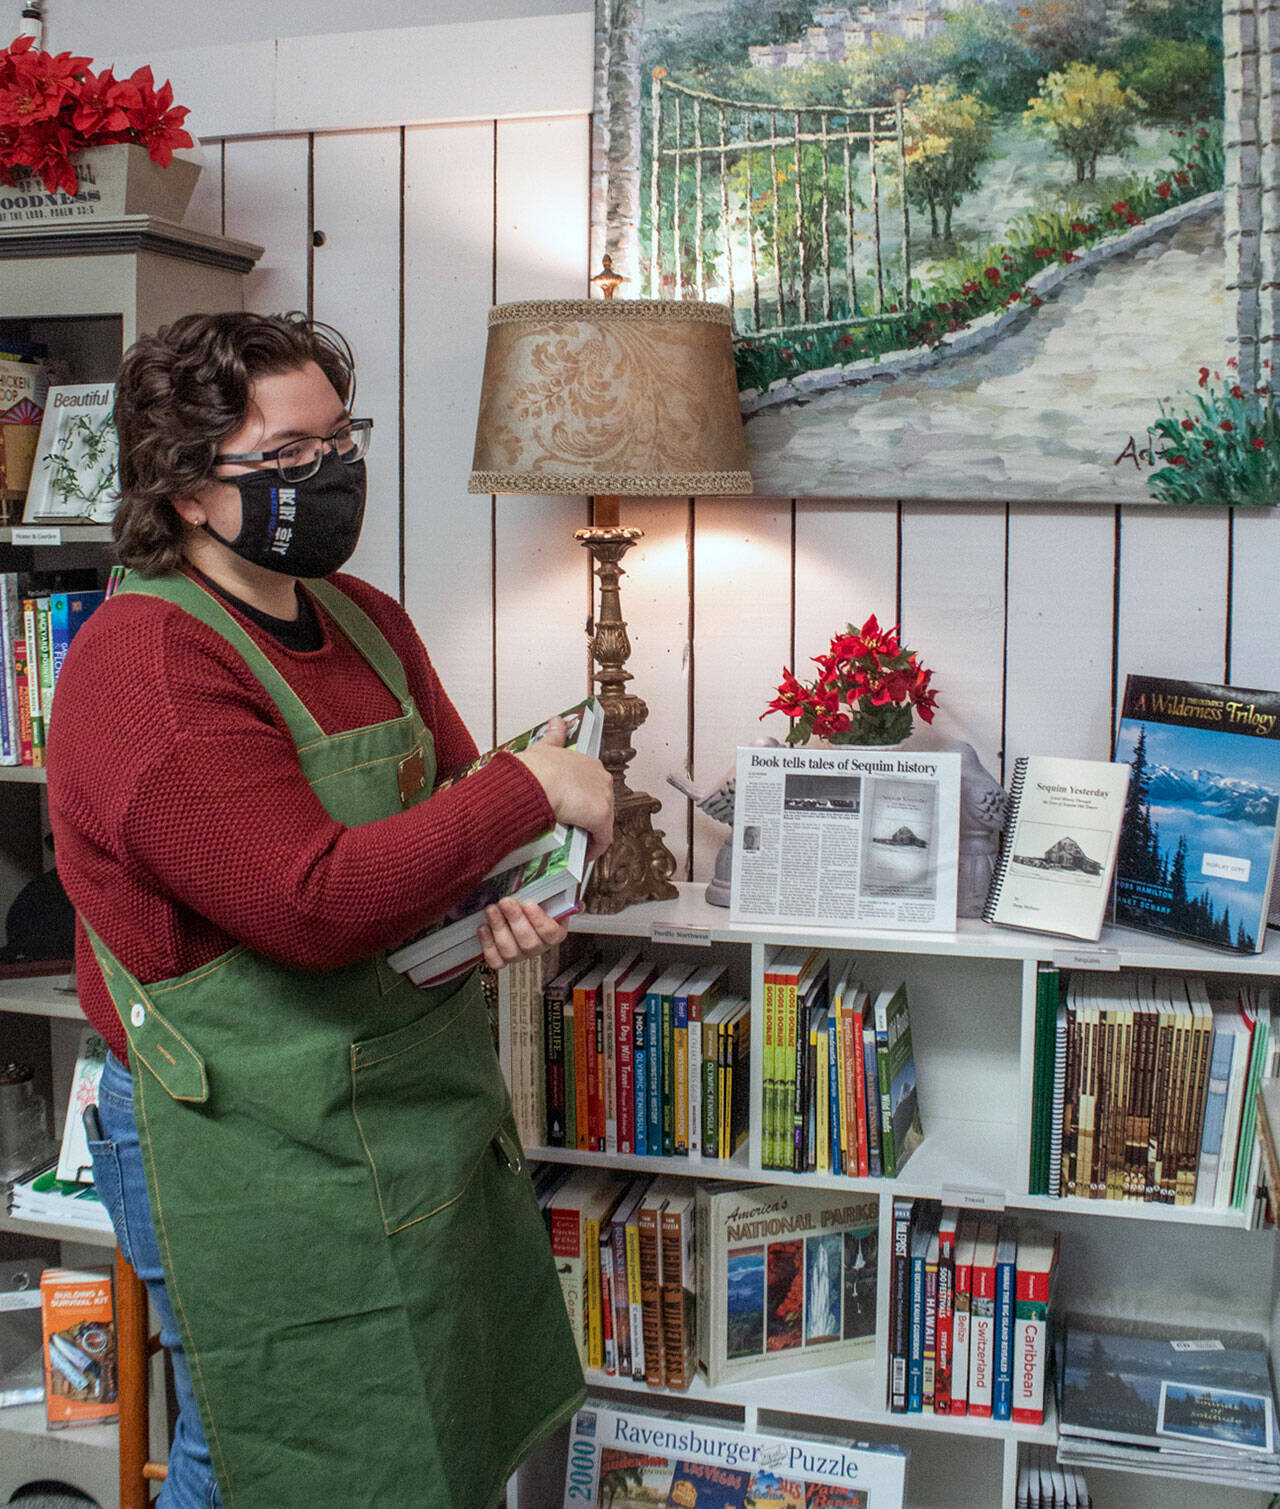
point(190, 596)
point(361, 630)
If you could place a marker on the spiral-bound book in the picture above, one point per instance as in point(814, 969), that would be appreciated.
point(1058, 851)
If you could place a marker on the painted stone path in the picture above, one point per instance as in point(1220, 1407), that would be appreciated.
point(1042, 414)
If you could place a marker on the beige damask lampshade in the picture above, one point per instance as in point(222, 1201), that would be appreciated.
point(610, 396)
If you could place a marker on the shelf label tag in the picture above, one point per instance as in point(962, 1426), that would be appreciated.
point(675, 932)
point(973, 1199)
point(1086, 958)
point(28, 536)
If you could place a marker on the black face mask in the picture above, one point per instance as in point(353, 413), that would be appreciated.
point(308, 528)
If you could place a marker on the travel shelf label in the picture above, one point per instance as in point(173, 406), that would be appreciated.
point(29, 536)
point(675, 932)
point(1086, 958)
point(969, 1198)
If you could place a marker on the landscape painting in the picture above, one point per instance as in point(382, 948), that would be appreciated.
point(974, 249)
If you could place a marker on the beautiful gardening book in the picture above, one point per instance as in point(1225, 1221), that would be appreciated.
point(553, 877)
point(866, 837)
point(1058, 850)
point(1198, 843)
point(75, 472)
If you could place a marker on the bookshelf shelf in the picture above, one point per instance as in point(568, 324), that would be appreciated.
point(44, 995)
point(973, 1013)
point(54, 1231)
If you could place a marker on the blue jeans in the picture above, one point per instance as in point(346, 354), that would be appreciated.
point(120, 1181)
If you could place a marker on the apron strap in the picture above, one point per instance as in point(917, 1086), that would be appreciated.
point(361, 630)
point(152, 1039)
point(194, 599)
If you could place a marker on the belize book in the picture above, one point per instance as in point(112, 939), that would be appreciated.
point(1198, 840)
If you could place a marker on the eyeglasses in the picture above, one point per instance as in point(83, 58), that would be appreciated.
point(300, 459)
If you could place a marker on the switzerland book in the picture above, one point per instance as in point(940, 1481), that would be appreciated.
point(552, 876)
point(634, 1459)
point(1198, 842)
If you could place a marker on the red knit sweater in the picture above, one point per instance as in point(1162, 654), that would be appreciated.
point(182, 822)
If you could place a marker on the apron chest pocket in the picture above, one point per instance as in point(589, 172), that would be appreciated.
point(428, 1099)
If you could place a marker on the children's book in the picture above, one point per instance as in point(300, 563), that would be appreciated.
point(1198, 842)
point(553, 878)
point(1058, 851)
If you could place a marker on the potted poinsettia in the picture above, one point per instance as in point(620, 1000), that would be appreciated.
point(76, 142)
point(867, 689)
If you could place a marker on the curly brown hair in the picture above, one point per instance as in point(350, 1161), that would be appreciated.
point(180, 393)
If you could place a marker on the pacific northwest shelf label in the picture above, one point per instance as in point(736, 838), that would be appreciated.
point(674, 932)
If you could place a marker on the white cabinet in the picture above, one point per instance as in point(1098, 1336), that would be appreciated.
point(972, 997)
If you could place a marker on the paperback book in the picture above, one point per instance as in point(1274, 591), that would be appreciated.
point(1058, 850)
point(553, 878)
point(787, 1279)
point(1166, 1385)
point(629, 1459)
point(1198, 842)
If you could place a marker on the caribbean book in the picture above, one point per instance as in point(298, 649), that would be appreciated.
point(1198, 841)
point(788, 1278)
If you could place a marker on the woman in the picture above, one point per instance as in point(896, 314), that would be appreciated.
point(312, 1164)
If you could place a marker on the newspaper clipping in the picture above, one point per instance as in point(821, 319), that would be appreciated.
point(865, 837)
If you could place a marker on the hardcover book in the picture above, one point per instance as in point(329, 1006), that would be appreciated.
point(1166, 1384)
point(634, 1459)
point(1198, 841)
point(553, 878)
point(787, 1279)
point(1058, 850)
point(75, 473)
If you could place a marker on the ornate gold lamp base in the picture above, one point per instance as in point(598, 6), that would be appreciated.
point(637, 866)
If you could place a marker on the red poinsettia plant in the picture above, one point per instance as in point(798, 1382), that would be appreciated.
point(52, 106)
point(867, 690)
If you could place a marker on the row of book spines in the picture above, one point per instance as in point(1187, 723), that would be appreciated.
point(1151, 1104)
point(647, 1070)
point(970, 1317)
point(35, 633)
point(634, 1312)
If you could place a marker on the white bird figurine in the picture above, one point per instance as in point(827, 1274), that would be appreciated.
point(717, 802)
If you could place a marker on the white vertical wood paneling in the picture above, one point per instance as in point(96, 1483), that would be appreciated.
point(846, 568)
point(953, 616)
point(356, 287)
point(742, 628)
point(1255, 632)
point(448, 271)
point(204, 213)
point(656, 606)
point(542, 598)
point(265, 191)
point(1173, 594)
point(1060, 607)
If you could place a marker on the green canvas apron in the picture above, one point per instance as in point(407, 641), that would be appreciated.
point(356, 1258)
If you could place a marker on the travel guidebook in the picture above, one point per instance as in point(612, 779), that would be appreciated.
point(632, 1459)
point(1058, 850)
point(553, 877)
point(1198, 842)
point(1166, 1385)
point(787, 1278)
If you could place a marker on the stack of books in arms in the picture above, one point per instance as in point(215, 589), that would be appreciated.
point(1171, 1399)
point(40, 614)
point(635, 1459)
point(638, 1057)
point(971, 1313)
point(1145, 1087)
point(839, 1090)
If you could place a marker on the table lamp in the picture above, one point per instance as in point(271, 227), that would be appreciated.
point(611, 397)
